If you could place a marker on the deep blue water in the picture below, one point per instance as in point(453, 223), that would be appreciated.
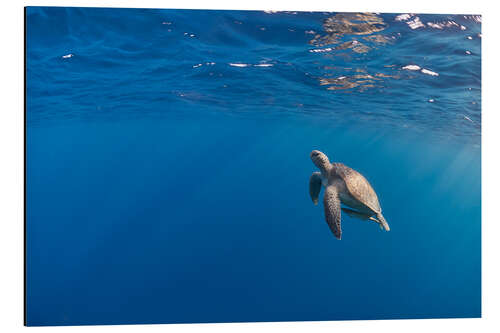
point(168, 165)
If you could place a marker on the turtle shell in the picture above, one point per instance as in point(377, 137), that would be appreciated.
point(357, 185)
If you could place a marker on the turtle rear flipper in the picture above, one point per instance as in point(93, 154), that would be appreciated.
point(380, 221)
point(357, 215)
point(383, 222)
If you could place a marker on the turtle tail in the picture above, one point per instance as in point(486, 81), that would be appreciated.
point(383, 222)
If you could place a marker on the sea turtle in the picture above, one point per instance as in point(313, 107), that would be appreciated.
point(347, 186)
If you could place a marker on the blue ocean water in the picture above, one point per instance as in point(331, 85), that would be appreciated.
point(167, 165)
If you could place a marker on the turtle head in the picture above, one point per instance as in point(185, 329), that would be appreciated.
point(320, 160)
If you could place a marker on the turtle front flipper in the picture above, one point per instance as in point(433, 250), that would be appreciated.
point(331, 202)
point(315, 186)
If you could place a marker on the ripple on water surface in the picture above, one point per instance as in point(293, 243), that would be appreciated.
point(416, 69)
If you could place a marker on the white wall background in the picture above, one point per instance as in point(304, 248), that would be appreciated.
point(11, 164)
